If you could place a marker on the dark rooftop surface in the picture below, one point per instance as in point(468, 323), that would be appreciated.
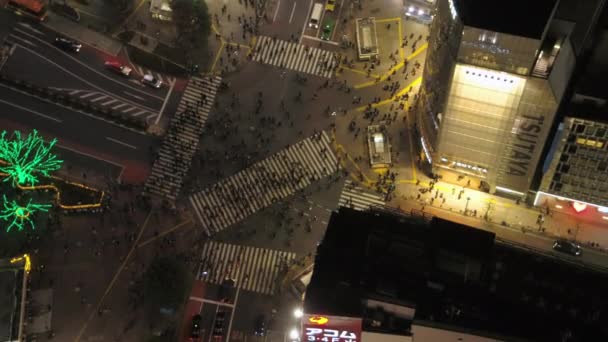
point(8, 280)
point(526, 18)
point(454, 275)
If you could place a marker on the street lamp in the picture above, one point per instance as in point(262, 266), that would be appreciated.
point(294, 334)
point(298, 313)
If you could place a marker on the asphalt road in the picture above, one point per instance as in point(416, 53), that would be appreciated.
point(38, 60)
point(74, 128)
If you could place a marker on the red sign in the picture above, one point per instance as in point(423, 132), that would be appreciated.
point(325, 328)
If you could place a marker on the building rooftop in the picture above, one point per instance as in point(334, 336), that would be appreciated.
point(517, 17)
point(450, 275)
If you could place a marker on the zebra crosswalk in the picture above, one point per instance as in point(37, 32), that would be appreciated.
point(181, 141)
point(295, 56)
point(358, 198)
point(265, 182)
point(111, 102)
point(252, 268)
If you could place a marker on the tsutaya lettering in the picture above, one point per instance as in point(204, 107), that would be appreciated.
point(526, 138)
point(330, 335)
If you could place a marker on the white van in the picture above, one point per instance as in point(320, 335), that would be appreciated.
point(315, 17)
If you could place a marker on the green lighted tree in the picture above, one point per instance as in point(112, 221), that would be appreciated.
point(24, 158)
point(18, 215)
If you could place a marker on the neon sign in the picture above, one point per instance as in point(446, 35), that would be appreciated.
point(319, 320)
point(578, 207)
point(330, 335)
point(324, 328)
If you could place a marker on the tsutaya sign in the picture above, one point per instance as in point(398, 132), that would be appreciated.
point(324, 328)
point(526, 130)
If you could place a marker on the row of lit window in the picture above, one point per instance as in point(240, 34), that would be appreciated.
point(486, 76)
point(590, 142)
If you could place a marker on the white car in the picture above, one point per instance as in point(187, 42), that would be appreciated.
point(151, 81)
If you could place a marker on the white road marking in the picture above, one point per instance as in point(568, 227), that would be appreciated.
point(122, 143)
point(293, 10)
point(321, 40)
point(274, 18)
point(80, 78)
point(21, 40)
point(86, 65)
point(31, 111)
point(29, 27)
point(162, 109)
point(133, 95)
point(305, 22)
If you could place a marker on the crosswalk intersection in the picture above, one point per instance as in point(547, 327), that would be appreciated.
point(265, 182)
point(295, 56)
point(181, 141)
point(358, 198)
point(252, 268)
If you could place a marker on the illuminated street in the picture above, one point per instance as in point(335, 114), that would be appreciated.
point(205, 147)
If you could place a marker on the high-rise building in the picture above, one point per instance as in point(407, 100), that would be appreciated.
point(575, 172)
point(386, 277)
point(488, 101)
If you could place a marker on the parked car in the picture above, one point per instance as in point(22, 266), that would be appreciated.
point(259, 326)
point(218, 325)
point(68, 44)
point(567, 247)
point(330, 5)
point(151, 81)
point(118, 68)
point(195, 330)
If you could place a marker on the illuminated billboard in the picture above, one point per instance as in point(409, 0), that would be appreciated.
point(324, 328)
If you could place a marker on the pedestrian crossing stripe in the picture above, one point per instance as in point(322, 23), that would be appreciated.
point(165, 79)
point(293, 56)
point(357, 198)
point(291, 169)
point(252, 268)
point(181, 142)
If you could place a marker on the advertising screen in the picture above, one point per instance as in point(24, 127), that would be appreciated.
point(325, 328)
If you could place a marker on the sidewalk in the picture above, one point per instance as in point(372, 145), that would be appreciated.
point(76, 31)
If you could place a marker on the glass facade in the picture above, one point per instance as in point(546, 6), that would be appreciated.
point(579, 167)
point(494, 126)
point(498, 51)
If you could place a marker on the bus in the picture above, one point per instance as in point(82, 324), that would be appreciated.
point(35, 9)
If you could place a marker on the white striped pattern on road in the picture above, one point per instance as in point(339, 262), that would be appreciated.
point(358, 198)
point(107, 101)
point(295, 56)
point(265, 182)
point(253, 269)
point(181, 141)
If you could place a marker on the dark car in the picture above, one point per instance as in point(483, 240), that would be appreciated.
point(218, 325)
point(68, 44)
point(259, 327)
point(195, 331)
point(567, 247)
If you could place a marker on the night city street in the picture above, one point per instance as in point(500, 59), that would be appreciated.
point(292, 170)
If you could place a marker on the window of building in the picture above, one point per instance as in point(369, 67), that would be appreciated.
point(600, 132)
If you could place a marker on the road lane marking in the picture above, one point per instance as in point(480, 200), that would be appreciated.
point(305, 22)
point(162, 109)
point(29, 27)
point(31, 111)
point(85, 65)
point(274, 18)
point(121, 143)
point(321, 40)
point(293, 10)
point(135, 96)
point(84, 80)
point(21, 40)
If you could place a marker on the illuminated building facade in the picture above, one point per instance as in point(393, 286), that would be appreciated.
point(579, 165)
point(485, 110)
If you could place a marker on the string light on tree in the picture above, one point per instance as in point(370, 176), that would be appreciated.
point(23, 159)
point(18, 215)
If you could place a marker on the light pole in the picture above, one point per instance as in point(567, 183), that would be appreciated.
point(466, 206)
